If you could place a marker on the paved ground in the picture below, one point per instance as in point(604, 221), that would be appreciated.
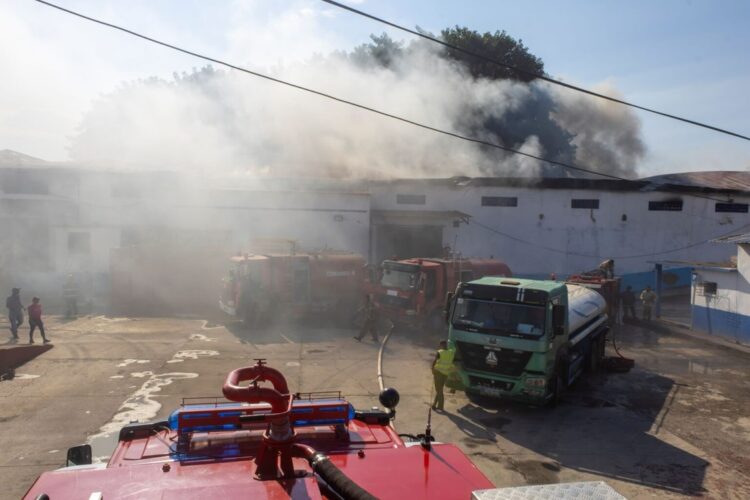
point(676, 425)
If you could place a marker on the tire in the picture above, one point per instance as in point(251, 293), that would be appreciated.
point(557, 387)
point(596, 355)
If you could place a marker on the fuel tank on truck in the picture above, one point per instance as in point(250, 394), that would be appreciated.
point(584, 305)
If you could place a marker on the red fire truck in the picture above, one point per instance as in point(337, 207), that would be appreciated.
point(262, 441)
point(411, 292)
point(260, 286)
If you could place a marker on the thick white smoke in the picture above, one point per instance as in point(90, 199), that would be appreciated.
point(227, 121)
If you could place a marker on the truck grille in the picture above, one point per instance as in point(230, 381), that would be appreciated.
point(509, 362)
point(390, 300)
point(491, 384)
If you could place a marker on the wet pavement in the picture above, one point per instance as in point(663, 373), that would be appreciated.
point(676, 425)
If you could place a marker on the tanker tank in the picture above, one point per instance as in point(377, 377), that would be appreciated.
point(584, 305)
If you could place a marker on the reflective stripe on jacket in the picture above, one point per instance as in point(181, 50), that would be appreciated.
point(444, 363)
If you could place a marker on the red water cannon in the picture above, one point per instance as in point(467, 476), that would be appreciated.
point(274, 458)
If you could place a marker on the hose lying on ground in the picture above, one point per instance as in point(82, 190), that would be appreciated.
point(619, 364)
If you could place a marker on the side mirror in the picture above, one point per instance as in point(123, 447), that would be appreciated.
point(559, 314)
point(447, 310)
point(78, 455)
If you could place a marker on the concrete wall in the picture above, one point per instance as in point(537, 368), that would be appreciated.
point(727, 312)
point(543, 234)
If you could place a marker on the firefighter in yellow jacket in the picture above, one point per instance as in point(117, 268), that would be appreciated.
point(441, 369)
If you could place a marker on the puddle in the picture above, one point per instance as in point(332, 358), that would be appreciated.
point(314, 351)
point(112, 319)
point(200, 336)
point(292, 363)
point(141, 374)
point(117, 376)
point(23, 376)
point(210, 325)
point(127, 362)
point(139, 407)
point(195, 354)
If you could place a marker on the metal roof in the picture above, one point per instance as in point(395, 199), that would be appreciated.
point(733, 180)
point(739, 239)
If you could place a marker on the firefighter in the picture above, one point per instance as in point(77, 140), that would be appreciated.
point(70, 294)
point(441, 370)
point(15, 311)
point(628, 303)
point(648, 297)
point(370, 324)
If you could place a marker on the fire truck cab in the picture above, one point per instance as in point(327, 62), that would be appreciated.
point(411, 292)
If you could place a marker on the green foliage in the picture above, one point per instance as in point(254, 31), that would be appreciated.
point(499, 46)
point(382, 51)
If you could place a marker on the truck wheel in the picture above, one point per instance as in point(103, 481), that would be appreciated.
point(596, 355)
point(557, 386)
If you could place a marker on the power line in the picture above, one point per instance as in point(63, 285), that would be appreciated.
point(533, 74)
point(345, 101)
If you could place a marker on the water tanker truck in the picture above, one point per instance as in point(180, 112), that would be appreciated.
point(524, 339)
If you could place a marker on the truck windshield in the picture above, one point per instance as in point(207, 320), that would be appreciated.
point(500, 318)
point(403, 277)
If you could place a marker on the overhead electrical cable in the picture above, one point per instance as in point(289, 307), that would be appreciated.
point(533, 74)
point(346, 101)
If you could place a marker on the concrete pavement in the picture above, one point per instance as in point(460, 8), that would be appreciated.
point(674, 426)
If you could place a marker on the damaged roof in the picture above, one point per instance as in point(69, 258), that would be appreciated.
point(703, 182)
point(732, 180)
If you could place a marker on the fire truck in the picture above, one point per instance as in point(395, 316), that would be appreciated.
point(262, 441)
point(260, 286)
point(412, 292)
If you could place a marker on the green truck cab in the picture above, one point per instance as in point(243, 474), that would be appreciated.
point(522, 339)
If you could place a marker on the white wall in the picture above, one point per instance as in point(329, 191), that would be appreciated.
point(551, 244)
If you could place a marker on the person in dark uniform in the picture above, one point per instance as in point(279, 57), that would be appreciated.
point(15, 311)
point(370, 324)
point(628, 303)
point(35, 320)
point(70, 294)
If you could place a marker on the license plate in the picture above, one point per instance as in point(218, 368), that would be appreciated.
point(392, 293)
point(489, 391)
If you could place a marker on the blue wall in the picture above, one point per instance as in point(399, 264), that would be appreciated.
point(732, 326)
point(677, 277)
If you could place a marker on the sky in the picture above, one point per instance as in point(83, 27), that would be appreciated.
point(688, 58)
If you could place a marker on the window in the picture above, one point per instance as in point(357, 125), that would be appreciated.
point(738, 208)
point(411, 199)
point(79, 243)
point(581, 203)
point(665, 206)
point(499, 201)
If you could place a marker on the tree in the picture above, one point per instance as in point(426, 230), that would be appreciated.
point(499, 46)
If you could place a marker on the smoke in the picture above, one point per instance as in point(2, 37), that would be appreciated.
point(226, 121)
point(604, 133)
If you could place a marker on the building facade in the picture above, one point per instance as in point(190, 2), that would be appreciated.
point(58, 219)
point(720, 295)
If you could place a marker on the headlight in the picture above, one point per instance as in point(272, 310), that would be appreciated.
point(536, 382)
